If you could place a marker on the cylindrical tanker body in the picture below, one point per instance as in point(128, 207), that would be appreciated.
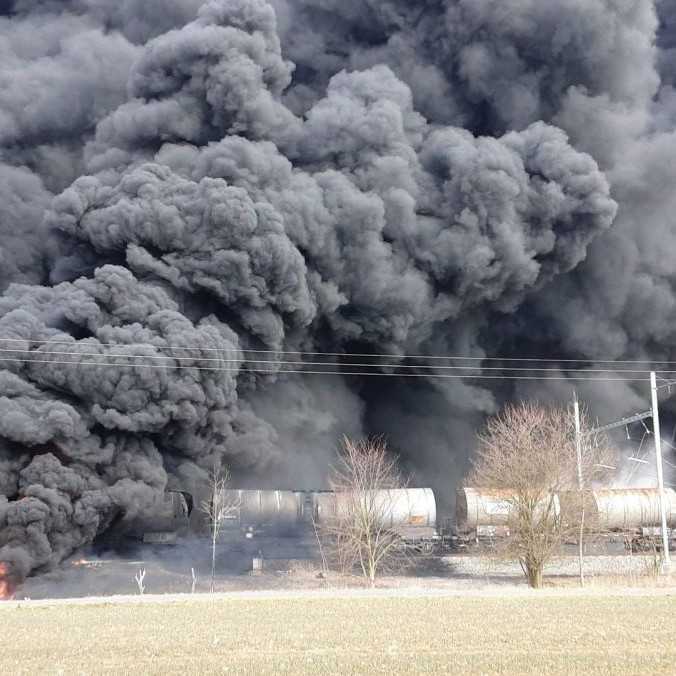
point(407, 510)
point(161, 521)
point(273, 511)
point(477, 508)
point(410, 511)
point(626, 509)
point(323, 506)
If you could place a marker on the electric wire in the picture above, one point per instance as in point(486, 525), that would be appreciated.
point(334, 368)
point(331, 372)
point(548, 360)
point(221, 360)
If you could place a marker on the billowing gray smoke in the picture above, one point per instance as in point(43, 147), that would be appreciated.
point(183, 182)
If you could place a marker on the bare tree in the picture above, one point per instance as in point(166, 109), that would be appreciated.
point(528, 453)
point(217, 508)
point(359, 526)
point(140, 577)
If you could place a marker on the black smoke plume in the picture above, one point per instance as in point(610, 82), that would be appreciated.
point(183, 183)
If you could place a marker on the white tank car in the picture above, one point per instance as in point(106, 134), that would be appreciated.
point(490, 510)
point(409, 511)
point(632, 512)
point(629, 509)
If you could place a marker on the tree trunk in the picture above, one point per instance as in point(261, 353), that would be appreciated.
point(581, 546)
point(534, 575)
point(213, 562)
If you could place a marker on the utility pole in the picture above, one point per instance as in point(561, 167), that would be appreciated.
point(578, 451)
point(660, 478)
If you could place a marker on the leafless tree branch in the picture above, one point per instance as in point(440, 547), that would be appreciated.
point(359, 529)
point(528, 453)
point(217, 508)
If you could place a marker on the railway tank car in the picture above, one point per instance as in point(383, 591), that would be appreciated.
point(484, 514)
point(410, 512)
point(481, 515)
point(633, 513)
point(630, 509)
point(161, 523)
point(272, 511)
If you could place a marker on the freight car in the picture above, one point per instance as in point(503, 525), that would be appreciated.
point(481, 516)
point(161, 522)
point(635, 514)
point(410, 512)
point(279, 513)
point(484, 515)
point(631, 513)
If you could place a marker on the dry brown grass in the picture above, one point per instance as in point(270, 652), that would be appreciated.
point(615, 580)
point(526, 634)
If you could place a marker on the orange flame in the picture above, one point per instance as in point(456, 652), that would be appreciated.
point(6, 586)
point(85, 563)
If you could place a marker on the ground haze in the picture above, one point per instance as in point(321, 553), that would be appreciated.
point(551, 632)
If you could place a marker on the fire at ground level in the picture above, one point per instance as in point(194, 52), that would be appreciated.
point(7, 584)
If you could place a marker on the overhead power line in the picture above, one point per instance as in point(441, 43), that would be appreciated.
point(220, 360)
point(329, 372)
point(547, 360)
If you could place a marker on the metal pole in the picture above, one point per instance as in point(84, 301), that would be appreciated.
point(578, 451)
point(660, 478)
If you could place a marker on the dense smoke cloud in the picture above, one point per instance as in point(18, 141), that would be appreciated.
point(183, 182)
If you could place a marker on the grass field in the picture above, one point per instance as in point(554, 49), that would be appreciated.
point(469, 635)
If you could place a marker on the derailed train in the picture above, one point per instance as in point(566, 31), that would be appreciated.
point(410, 512)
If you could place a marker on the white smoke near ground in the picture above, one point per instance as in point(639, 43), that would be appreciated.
point(184, 182)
